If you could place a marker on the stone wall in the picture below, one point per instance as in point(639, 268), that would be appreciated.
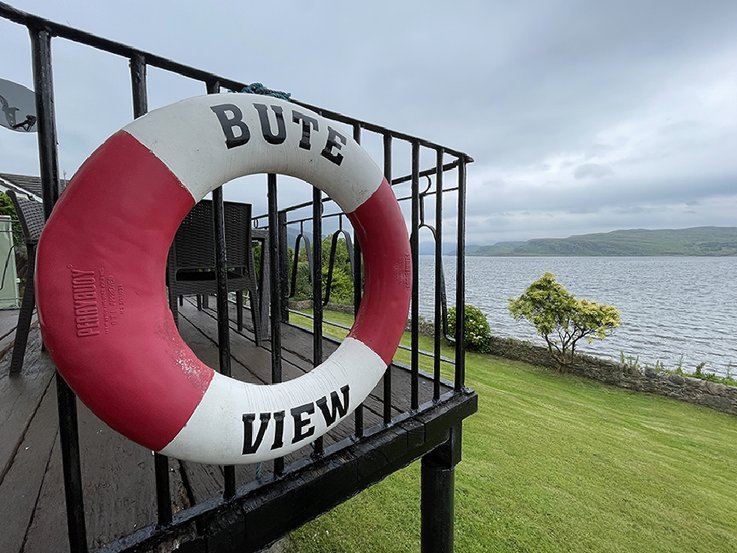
point(693, 390)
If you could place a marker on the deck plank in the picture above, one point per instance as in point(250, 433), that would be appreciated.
point(49, 524)
point(20, 397)
point(48, 529)
point(21, 486)
point(118, 479)
point(8, 323)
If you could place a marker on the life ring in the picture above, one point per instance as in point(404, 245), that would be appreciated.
point(101, 290)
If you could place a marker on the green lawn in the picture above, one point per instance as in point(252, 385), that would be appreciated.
point(560, 464)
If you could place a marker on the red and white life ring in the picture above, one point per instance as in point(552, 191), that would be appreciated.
point(101, 290)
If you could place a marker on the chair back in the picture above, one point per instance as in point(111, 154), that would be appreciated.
point(194, 244)
point(31, 216)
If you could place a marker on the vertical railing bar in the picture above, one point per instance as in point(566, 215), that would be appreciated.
point(388, 374)
point(357, 292)
point(438, 272)
point(460, 354)
point(66, 400)
point(276, 295)
point(221, 278)
point(283, 266)
point(414, 245)
point(138, 85)
point(318, 447)
point(161, 463)
point(47, 150)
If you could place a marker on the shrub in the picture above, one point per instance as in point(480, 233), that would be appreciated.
point(478, 334)
point(341, 286)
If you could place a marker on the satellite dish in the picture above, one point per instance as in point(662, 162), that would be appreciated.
point(17, 107)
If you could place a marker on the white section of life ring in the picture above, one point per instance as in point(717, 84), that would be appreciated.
point(210, 429)
point(192, 147)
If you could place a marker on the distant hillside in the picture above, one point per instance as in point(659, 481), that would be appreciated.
point(702, 241)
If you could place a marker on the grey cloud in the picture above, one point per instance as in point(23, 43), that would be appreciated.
point(592, 170)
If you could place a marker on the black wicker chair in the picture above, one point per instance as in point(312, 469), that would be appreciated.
point(192, 259)
point(31, 217)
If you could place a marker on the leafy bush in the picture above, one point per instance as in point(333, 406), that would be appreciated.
point(341, 286)
point(304, 286)
point(478, 334)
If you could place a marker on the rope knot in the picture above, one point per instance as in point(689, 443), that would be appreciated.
point(259, 88)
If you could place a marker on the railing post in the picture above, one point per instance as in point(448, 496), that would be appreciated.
point(357, 291)
point(66, 400)
point(460, 350)
point(387, 392)
point(221, 277)
point(439, 281)
point(276, 294)
point(318, 448)
point(437, 494)
point(138, 85)
point(415, 251)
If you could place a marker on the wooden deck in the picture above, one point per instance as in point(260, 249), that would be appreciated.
point(118, 475)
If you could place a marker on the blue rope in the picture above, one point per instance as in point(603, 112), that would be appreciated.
point(258, 88)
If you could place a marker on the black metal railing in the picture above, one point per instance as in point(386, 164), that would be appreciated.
point(305, 248)
point(278, 221)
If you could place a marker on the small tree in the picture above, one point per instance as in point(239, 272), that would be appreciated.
point(561, 319)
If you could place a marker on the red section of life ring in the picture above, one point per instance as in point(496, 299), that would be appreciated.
point(106, 322)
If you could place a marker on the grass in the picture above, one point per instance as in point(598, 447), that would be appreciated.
point(556, 463)
point(402, 356)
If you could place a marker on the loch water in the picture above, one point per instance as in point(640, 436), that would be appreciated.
point(676, 310)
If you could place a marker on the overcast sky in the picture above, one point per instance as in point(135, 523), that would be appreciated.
point(582, 116)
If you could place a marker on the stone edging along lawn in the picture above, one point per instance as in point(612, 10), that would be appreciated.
point(693, 390)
